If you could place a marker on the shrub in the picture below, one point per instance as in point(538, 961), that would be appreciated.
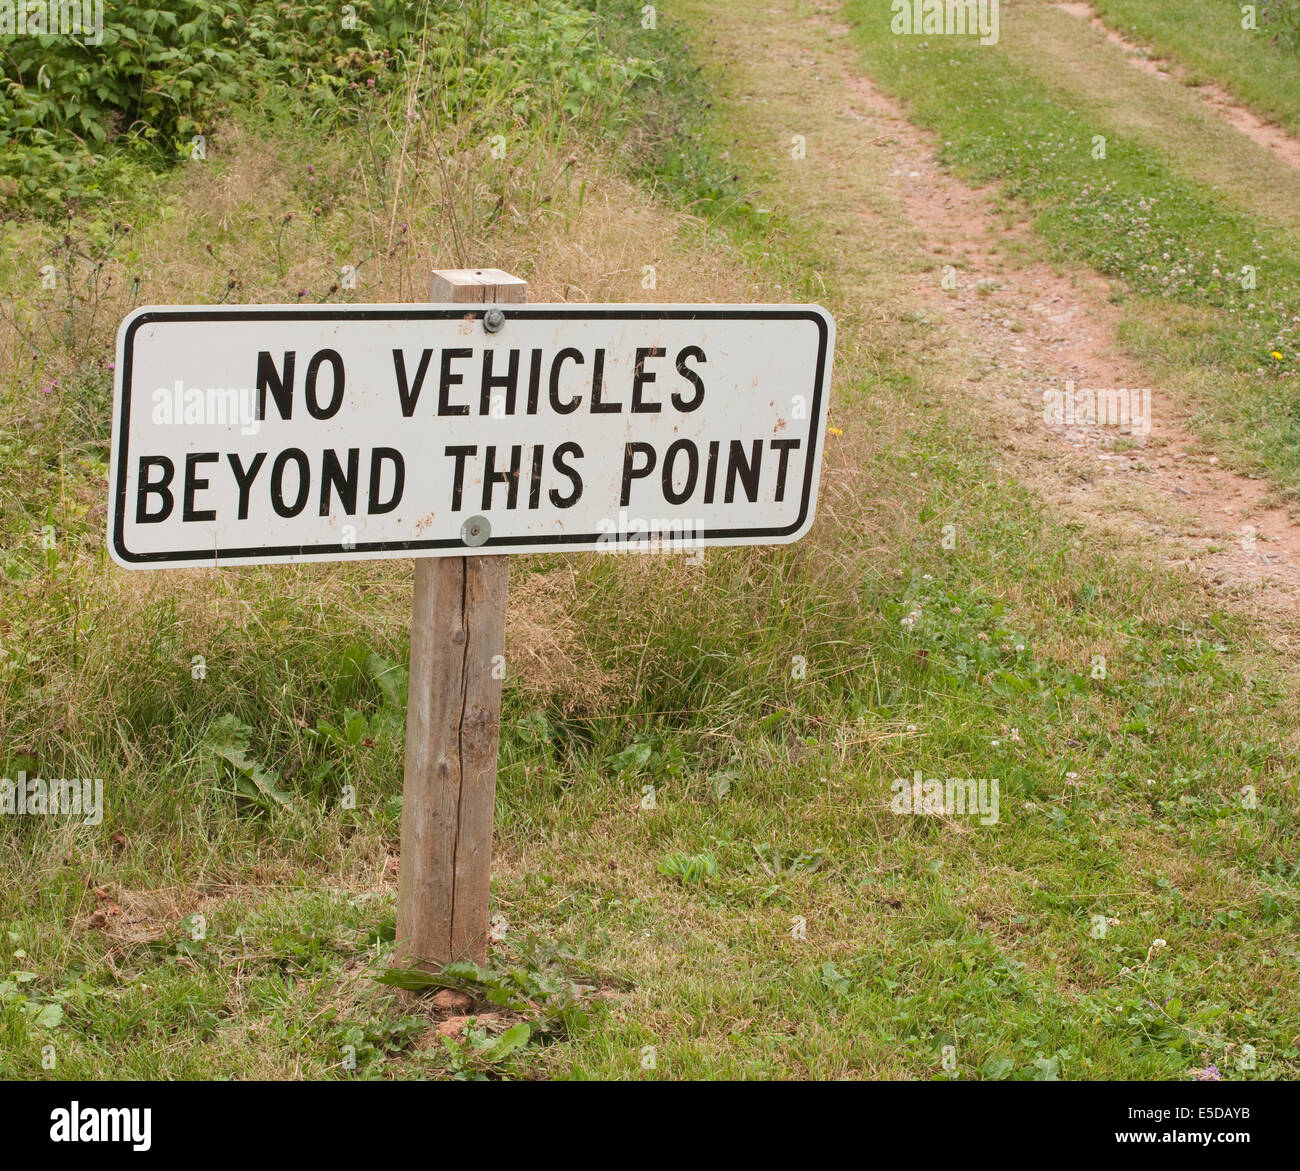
point(162, 75)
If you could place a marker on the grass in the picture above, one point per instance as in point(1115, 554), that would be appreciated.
point(1180, 250)
point(697, 870)
point(1257, 65)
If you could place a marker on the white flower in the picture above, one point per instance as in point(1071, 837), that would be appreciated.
point(1158, 944)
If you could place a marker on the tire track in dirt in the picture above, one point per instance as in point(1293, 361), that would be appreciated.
point(1265, 134)
point(1031, 328)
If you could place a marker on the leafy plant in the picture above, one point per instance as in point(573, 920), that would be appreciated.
point(544, 985)
point(689, 868)
point(631, 759)
point(163, 75)
point(773, 860)
point(834, 981)
point(481, 1053)
point(43, 1010)
point(370, 1044)
point(228, 741)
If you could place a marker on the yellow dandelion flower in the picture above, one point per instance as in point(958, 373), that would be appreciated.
point(834, 430)
point(1277, 355)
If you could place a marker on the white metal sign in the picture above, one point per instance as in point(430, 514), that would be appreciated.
point(285, 433)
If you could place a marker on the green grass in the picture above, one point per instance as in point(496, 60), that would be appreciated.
point(1258, 66)
point(765, 914)
point(1178, 246)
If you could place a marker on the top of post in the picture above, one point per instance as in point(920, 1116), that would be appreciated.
point(476, 285)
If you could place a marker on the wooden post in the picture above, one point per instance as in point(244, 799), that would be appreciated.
point(458, 626)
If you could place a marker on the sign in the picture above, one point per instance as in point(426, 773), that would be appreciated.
point(247, 435)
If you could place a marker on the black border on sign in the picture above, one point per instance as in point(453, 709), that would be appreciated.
point(428, 313)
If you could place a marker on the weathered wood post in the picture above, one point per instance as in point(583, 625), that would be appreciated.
point(458, 627)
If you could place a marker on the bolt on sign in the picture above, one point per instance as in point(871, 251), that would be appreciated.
point(448, 432)
point(245, 435)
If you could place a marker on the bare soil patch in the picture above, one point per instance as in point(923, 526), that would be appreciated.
point(1266, 134)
